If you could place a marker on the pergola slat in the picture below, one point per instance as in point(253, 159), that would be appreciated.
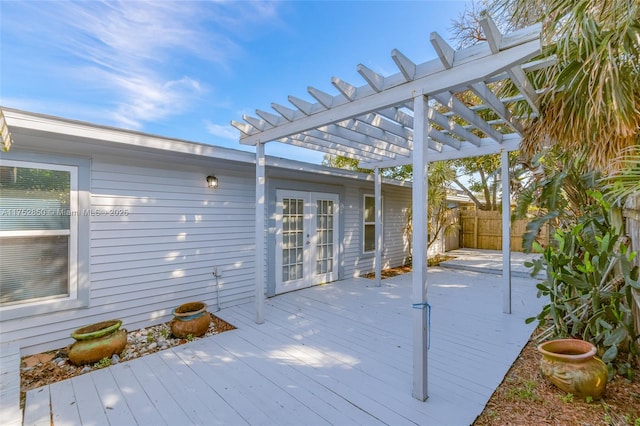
point(243, 127)
point(348, 91)
point(257, 123)
point(375, 80)
point(387, 125)
point(323, 97)
point(272, 119)
point(442, 48)
point(406, 66)
point(307, 108)
point(493, 102)
point(287, 113)
point(449, 100)
point(452, 127)
point(333, 148)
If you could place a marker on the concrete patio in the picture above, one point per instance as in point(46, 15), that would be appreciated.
point(332, 354)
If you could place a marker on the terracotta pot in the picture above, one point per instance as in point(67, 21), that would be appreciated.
point(572, 366)
point(97, 341)
point(190, 319)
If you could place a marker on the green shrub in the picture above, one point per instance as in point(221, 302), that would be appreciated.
point(589, 281)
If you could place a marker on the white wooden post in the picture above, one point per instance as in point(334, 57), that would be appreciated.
point(378, 225)
point(506, 233)
point(260, 228)
point(419, 258)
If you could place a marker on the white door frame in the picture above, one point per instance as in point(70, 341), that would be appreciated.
point(306, 241)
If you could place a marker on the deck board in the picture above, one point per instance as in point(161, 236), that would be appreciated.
point(37, 410)
point(63, 404)
point(332, 354)
point(113, 401)
point(163, 401)
point(142, 408)
point(10, 383)
point(88, 401)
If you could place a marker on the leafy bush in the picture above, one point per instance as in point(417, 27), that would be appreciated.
point(589, 281)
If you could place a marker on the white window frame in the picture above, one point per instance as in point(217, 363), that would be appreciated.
point(72, 232)
point(365, 223)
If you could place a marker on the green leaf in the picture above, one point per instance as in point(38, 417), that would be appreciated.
point(602, 323)
point(542, 287)
point(579, 283)
point(610, 354)
point(616, 337)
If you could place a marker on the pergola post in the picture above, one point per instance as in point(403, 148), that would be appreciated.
point(506, 233)
point(378, 224)
point(419, 243)
point(260, 231)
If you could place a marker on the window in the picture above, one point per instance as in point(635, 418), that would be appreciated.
point(39, 215)
point(369, 224)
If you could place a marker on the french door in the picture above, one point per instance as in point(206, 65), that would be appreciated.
point(306, 239)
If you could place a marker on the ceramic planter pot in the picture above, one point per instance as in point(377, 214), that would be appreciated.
point(572, 366)
point(97, 341)
point(190, 319)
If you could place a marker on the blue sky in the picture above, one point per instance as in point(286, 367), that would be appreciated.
point(185, 69)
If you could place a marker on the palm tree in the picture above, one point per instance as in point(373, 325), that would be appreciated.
point(593, 102)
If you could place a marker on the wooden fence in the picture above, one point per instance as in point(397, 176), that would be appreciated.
point(483, 230)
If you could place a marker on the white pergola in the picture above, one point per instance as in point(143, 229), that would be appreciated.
point(411, 117)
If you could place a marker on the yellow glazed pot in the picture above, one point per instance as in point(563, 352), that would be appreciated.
point(571, 365)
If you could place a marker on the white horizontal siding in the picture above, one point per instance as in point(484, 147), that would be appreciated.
point(396, 242)
point(352, 231)
point(162, 252)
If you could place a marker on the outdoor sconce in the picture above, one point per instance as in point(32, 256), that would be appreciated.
point(212, 181)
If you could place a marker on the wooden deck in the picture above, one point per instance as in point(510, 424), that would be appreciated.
point(334, 354)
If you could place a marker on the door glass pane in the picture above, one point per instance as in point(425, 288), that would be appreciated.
point(292, 239)
point(324, 236)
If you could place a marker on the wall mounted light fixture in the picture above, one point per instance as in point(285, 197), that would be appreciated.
point(212, 181)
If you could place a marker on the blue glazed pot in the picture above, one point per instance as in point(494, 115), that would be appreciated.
point(190, 319)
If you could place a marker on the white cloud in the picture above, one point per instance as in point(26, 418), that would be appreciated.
point(134, 51)
point(222, 131)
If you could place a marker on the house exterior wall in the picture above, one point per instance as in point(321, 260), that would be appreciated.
point(173, 231)
point(160, 253)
